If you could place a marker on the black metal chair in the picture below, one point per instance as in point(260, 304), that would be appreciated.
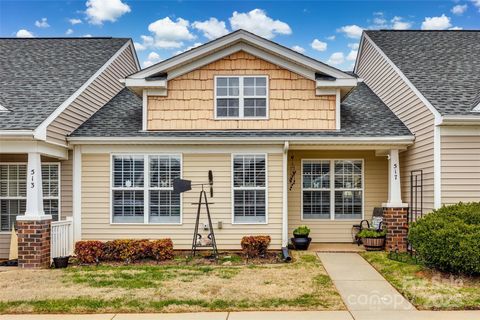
point(376, 223)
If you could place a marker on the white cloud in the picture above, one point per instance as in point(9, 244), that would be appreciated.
point(298, 49)
point(319, 45)
point(336, 58)
point(196, 44)
point(74, 21)
point(152, 58)
point(354, 46)
point(436, 23)
point(69, 32)
point(399, 24)
point(352, 55)
point(99, 11)
point(211, 28)
point(24, 33)
point(352, 31)
point(331, 38)
point(459, 9)
point(168, 33)
point(256, 21)
point(476, 3)
point(139, 47)
point(42, 23)
point(88, 35)
point(456, 28)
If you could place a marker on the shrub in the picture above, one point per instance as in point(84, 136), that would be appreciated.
point(162, 250)
point(127, 250)
point(448, 239)
point(89, 251)
point(372, 233)
point(301, 231)
point(255, 246)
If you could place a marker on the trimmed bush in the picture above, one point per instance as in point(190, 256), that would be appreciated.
point(127, 250)
point(89, 251)
point(162, 249)
point(255, 246)
point(448, 239)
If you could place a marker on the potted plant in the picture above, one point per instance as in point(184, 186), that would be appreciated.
point(373, 240)
point(60, 262)
point(300, 239)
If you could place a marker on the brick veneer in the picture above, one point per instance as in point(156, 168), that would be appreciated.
point(395, 220)
point(34, 243)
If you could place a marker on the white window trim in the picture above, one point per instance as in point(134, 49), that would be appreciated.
point(232, 188)
point(146, 189)
point(241, 97)
point(332, 189)
point(59, 197)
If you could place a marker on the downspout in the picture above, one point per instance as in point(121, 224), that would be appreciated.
point(285, 254)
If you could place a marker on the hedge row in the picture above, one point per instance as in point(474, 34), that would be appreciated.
point(127, 250)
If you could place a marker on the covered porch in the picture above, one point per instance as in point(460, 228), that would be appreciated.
point(332, 187)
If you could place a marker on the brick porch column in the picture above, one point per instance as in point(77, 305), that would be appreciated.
point(395, 212)
point(395, 220)
point(34, 226)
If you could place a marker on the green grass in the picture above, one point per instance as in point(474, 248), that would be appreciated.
point(427, 289)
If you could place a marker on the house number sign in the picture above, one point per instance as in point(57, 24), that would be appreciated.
point(395, 171)
point(32, 174)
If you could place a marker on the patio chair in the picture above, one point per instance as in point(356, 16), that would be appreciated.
point(376, 223)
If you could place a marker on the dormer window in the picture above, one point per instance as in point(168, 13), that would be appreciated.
point(241, 97)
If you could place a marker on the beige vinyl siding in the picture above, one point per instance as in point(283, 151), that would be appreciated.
point(460, 156)
point(65, 192)
point(375, 193)
point(293, 103)
point(99, 92)
point(96, 203)
point(406, 105)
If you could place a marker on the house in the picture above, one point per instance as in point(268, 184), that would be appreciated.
point(431, 81)
point(290, 140)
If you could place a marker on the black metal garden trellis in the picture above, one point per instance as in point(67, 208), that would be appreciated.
point(416, 199)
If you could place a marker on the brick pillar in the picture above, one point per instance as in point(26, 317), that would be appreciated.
point(34, 243)
point(395, 220)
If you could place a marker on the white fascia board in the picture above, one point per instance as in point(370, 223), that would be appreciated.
point(477, 108)
point(360, 48)
point(437, 115)
point(16, 133)
point(15, 146)
point(40, 132)
point(231, 39)
point(142, 83)
point(461, 120)
point(400, 140)
point(337, 83)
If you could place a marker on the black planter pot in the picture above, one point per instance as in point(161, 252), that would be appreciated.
point(60, 262)
point(299, 236)
point(301, 243)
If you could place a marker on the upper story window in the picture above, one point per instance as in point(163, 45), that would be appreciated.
point(241, 97)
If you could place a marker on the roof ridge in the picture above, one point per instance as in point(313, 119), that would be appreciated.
point(61, 38)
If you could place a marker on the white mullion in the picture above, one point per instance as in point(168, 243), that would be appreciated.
point(240, 98)
point(146, 189)
point(332, 189)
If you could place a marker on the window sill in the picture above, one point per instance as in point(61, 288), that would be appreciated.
point(237, 118)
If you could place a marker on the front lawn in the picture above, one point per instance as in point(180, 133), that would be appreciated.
point(301, 285)
point(427, 289)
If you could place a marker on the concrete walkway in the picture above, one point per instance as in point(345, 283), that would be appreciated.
point(362, 288)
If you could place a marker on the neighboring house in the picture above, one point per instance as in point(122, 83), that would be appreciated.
point(290, 140)
point(431, 81)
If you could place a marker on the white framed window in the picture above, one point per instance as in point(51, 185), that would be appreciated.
point(249, 188)
point(13, 192)
point(142, 189)
point(332, 189)
point(241, 97)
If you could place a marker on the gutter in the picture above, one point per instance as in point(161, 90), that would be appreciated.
point(19, 134)
point(460, 120)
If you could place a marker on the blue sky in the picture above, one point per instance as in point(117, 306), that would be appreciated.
point(326, 30)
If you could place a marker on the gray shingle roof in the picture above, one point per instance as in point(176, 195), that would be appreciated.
point(443, 65)
point(363, 114)
point(37, 75)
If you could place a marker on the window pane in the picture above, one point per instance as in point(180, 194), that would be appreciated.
point(222, 91)
point(164, 207)
point(128, 171)
point(316, 174)
point(128, 206)
point(50, 206)
point(227, 107)
point(348, 204)
point(50, 180)
point(261, 81)
point(9, 210)
point(163, 169)
point(249, 171)
point(249, 206)
point(249, 82)
point(348, 174)
point(316, 204)
point(255, 107)
point(222, 82)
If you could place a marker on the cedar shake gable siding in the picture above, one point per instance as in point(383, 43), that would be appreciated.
point(190, 105)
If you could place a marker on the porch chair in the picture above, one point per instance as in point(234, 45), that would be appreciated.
point(376, 223)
